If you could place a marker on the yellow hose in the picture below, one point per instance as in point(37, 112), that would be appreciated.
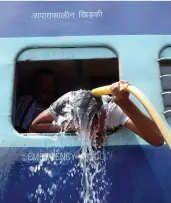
point(146, 103)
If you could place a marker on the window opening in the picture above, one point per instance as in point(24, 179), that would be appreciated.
point(61, 76)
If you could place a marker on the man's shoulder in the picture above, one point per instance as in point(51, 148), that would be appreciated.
point(108, 102)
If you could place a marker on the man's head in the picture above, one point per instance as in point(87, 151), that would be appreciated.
point(89, 111)
point(44, 86)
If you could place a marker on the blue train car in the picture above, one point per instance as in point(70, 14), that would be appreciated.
point(87, 44)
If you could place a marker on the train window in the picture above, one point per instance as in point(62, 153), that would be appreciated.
point(61, 70)
point(165, 76)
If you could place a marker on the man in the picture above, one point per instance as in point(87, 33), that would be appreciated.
point(112, 113)
point(29, 107)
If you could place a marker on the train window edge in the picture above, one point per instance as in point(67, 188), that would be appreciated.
point(164, 60)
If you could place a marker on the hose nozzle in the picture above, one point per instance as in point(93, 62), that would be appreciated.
point(100, 91)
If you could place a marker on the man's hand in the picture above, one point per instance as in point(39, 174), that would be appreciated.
point(118, 90)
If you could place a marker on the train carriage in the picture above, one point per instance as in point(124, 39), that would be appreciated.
point(87, 45)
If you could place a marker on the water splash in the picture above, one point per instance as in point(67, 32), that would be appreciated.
point(79, 110)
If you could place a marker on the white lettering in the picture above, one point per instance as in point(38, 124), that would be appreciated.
point(67, 156)
point(67, 15)
point(30, 156)
point(83, 14)
point(98, 14)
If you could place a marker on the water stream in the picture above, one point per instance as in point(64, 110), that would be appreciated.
point(77, 109)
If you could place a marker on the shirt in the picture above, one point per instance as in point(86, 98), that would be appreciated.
point(27, 110)
point(115, 115)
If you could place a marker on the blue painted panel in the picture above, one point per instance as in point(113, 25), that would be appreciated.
point(118, 18)
point(137, 174)
point(138, 57)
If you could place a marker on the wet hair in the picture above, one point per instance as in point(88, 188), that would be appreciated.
point(78, 107)
point(86, 107)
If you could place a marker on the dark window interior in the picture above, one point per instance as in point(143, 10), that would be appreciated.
point(70, 75)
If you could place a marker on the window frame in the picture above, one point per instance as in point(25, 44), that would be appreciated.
point(116, 55)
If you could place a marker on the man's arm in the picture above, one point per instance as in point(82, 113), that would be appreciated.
point(138, 122)
point(43, 124)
